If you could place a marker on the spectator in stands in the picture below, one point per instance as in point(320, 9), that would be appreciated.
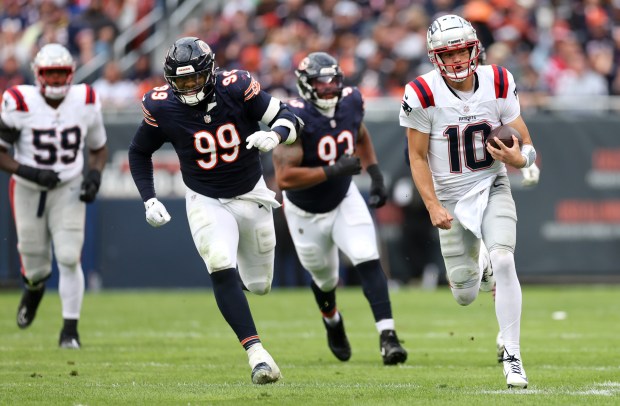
point(115, 91)
point(11, 74)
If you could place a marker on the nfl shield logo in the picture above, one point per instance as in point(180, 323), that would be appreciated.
point(207, 118)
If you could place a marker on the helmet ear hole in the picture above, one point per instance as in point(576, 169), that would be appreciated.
point(191, 62)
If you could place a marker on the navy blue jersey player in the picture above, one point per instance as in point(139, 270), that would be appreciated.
point(211, 118)
point(324, 209)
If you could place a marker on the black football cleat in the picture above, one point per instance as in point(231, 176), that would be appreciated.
point(28, 306)
point(391, 350)
point(69, 341)
point(337, 340)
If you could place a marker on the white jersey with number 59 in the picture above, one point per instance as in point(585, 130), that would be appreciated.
point(53, 138)
point(458, 128)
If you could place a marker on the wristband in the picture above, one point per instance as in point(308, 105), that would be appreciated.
point(529, 153)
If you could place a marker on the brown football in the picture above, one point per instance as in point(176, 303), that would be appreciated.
point(504, 133)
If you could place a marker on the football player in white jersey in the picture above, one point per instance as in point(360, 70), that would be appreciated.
point(449, 112)
point(48, 126)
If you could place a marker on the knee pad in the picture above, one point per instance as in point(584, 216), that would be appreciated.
point(311, 257)
point(325, 284)
point(463, 275)
point(37, 276)
point(465, 296)
point(215, 255)
point(68, 255)
point(364, 252)
point(259, 288)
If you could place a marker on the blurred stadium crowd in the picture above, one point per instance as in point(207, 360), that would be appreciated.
point(560, 48)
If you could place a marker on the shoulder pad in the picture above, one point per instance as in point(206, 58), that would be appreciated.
point(501, 80)
point(419, 92)
point(239, 84)
point(14, 100)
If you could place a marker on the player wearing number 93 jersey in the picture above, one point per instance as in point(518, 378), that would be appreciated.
point(211, 117)
point(325, 211)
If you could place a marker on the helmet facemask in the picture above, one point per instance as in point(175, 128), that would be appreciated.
point(453, 33)
point(53, 57)
point(191, 88)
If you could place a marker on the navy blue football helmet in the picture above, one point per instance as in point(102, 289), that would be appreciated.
point(189, 68)
point(320, 80)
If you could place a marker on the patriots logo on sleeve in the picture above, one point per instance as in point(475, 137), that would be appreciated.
point(406, 107)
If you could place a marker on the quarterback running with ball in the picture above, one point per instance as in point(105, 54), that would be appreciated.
point(449, 113)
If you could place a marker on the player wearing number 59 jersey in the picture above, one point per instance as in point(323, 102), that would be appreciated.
point(324, 209)
point(449, 113)
point(48, 126)
point(211, 118)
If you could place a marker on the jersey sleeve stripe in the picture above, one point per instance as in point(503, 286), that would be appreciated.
point(423, 91)
point(252, 90)
point(500, 76)
point(150, 122)
point(19, 99)
point(90, 95)
point(148, 118)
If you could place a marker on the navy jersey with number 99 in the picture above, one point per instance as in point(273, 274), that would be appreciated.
point(209, 140)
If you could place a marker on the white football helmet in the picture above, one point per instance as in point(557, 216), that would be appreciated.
point(450, 33)
point(53, 56)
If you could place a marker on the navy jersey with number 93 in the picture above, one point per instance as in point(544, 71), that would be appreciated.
point(324, 140)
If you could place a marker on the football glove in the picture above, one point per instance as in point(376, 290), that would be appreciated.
point(44, 177)
point(90, 186)
point(156, 213)
point(531, 175)
point(265, 141)
point(346, 165)
point(378, 191)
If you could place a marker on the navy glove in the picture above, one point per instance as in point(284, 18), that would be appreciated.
point(90, 186)
point(346, 165)
point(378, 191)
point(44, 177)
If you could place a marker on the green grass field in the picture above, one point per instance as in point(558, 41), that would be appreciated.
point(174, 348)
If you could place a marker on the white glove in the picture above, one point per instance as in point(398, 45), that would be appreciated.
point(263, 140)
point(156, 213)
point(530, 175)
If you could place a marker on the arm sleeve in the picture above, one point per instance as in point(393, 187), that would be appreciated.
point(510, 108)
point(412, 114)
point(146, 141)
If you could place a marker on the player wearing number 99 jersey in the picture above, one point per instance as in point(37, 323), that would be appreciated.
point(48, 125)
point(211, 118)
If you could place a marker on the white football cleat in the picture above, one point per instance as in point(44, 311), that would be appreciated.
point(514, 372)
point(499, 342)
point(264, 368)
point(487, 282)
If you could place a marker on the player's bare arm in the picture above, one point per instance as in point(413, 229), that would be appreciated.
point(364, 147)
point(97, 158)
point(512, 156)
point(418, 149)
point(289, 174)
point(7, 163)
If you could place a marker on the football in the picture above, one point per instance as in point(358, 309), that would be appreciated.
point(504, 133)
